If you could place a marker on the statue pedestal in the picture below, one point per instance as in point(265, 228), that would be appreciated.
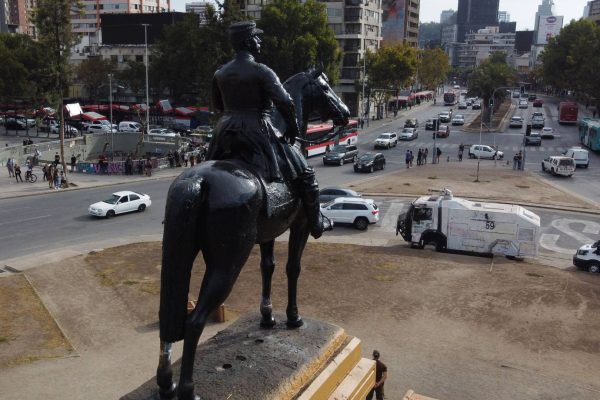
point(317, 361)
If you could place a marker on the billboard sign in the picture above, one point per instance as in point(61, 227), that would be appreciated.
point(549, 27)
point(393, 20)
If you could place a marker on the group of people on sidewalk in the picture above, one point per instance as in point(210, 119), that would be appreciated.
point(422, 155)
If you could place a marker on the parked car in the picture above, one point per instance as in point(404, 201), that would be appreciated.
point(484, 151)
point(408, 134)
point(559, 165)
point(516, 122)
point(458, 119)
point(462, 106)
point(129, 126)
point(356, 211)
point(386, 140)
point(411, 123)
point(444, 116)
point(548, 132)
point(119, 203)
point(369, 162)
point(340, 154)
point(330, 193)
point(98, 129)
point(69, 130)
point(103, 122)
point(19, 122)
point(163, 132)
point(534, 138)
point(538, 103)
point(523, 104)
point(476, 106)
point(443, 131)
point(537, 122)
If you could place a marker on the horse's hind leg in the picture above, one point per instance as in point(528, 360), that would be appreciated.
point(267, 266)
point(222, 269)
point(298, 237)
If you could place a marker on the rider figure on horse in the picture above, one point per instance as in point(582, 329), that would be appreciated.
point(245, 91)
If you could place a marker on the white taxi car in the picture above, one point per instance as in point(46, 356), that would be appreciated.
point(120, 203)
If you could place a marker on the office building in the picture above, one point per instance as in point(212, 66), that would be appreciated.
point(593, 11)
point(544, 9)
point(480, 45)
point(503, 16)
point(401, 21)
point(446, 16)
point(473, 15)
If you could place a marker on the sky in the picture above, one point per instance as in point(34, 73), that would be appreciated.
point(521, 11)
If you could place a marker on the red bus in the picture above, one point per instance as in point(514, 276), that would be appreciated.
point(450, 98)
point(567, 112)
point(348, 135)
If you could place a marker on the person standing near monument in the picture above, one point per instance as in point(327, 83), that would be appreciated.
point(244, 91)
point(380, 377)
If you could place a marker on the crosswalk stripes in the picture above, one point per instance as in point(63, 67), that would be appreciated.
point(388, 221)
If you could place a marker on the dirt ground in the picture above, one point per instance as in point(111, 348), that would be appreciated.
point(496, 181)
point(449, 326)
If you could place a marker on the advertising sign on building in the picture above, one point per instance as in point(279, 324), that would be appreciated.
point(393, 22)
point(549, 27)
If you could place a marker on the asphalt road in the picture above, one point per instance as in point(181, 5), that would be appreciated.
point(39, 224)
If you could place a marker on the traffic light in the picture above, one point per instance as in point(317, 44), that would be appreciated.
point(492, 102)
point(522, 89)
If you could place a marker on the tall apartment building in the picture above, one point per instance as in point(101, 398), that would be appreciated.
point(401, 21)
point(15, 17)
point(357, 28)
point(446, 16)
point(198, 7)
point(474, 15)
point(480, 45)
point(544, 9)
point(593, 11)
point(503, 16)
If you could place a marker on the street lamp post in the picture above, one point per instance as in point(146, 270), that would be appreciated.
point(146, 64)
point(112, 137)
point(363, 103)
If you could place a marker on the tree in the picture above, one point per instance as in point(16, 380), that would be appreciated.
point(490, 75)
point(389, 69)
point(570, 59)
point(430, 32)
point(53, 21)
point(434, 65)
point(93, 74)
point(297, 36)
point(133, 76)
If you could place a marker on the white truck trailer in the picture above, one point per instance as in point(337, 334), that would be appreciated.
point(452, 223)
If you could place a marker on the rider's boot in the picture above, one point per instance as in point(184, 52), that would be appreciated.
point(317, 222)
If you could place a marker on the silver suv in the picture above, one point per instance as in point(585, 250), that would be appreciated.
point(386, 140)
point(351, 210)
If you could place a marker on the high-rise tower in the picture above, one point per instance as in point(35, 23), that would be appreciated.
point(473, 15)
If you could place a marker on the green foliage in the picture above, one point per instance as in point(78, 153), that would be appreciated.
point(24, 61)
point(390, 68)
point(185, 59)
point(571, 58)
point(93, 74)
point(433, 68)
point(134, 76)
point(296, 37)
point(489, 76)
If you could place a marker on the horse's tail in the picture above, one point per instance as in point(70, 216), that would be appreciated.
point(181, 243)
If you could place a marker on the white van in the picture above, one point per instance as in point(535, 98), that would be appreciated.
point(581, 156)
point(129, 126)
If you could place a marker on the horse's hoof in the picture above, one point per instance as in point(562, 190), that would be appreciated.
point(267, 322)
point(187, 393)
point(168, 393)
point(294, 322)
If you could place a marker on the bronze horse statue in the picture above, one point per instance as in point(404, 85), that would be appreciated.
point(222, 208)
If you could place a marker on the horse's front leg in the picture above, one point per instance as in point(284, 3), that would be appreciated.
point(298, 237)
point(267, 266)
point(164, 372)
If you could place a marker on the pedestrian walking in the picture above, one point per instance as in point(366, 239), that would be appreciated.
point(380, 377)
point(407, 158)
point(192, 160)
point(411, 159)
point(519, 160)
point(149, 166)
point(171, 159)
point(56, 179)
point(438, 153)
point(73, 162)
point(10, 166)
point(50, 176)
point(362, 123)
point(425, 154)
point(44, 172)
point(461, 149)
point(18, 173)
point(515, 161)
point(56, 159)
point(419, 157)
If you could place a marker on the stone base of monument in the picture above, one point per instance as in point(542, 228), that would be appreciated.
point(317, 361)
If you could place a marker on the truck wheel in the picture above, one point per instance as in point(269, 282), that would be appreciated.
point(361, 223)
point(594, 268)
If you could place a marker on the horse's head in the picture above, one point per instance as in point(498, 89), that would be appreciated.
point(313, 94)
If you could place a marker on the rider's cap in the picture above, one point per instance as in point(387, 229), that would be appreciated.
point(242, 30)
point(375, 354)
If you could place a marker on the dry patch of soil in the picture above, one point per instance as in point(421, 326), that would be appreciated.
point(27, 331)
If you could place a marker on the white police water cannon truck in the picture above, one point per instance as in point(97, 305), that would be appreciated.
point(451, 223)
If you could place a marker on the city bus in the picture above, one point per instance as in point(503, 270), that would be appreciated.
point(567, 112)
point(589, 133)
point(348, 135)
point(450, 98)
